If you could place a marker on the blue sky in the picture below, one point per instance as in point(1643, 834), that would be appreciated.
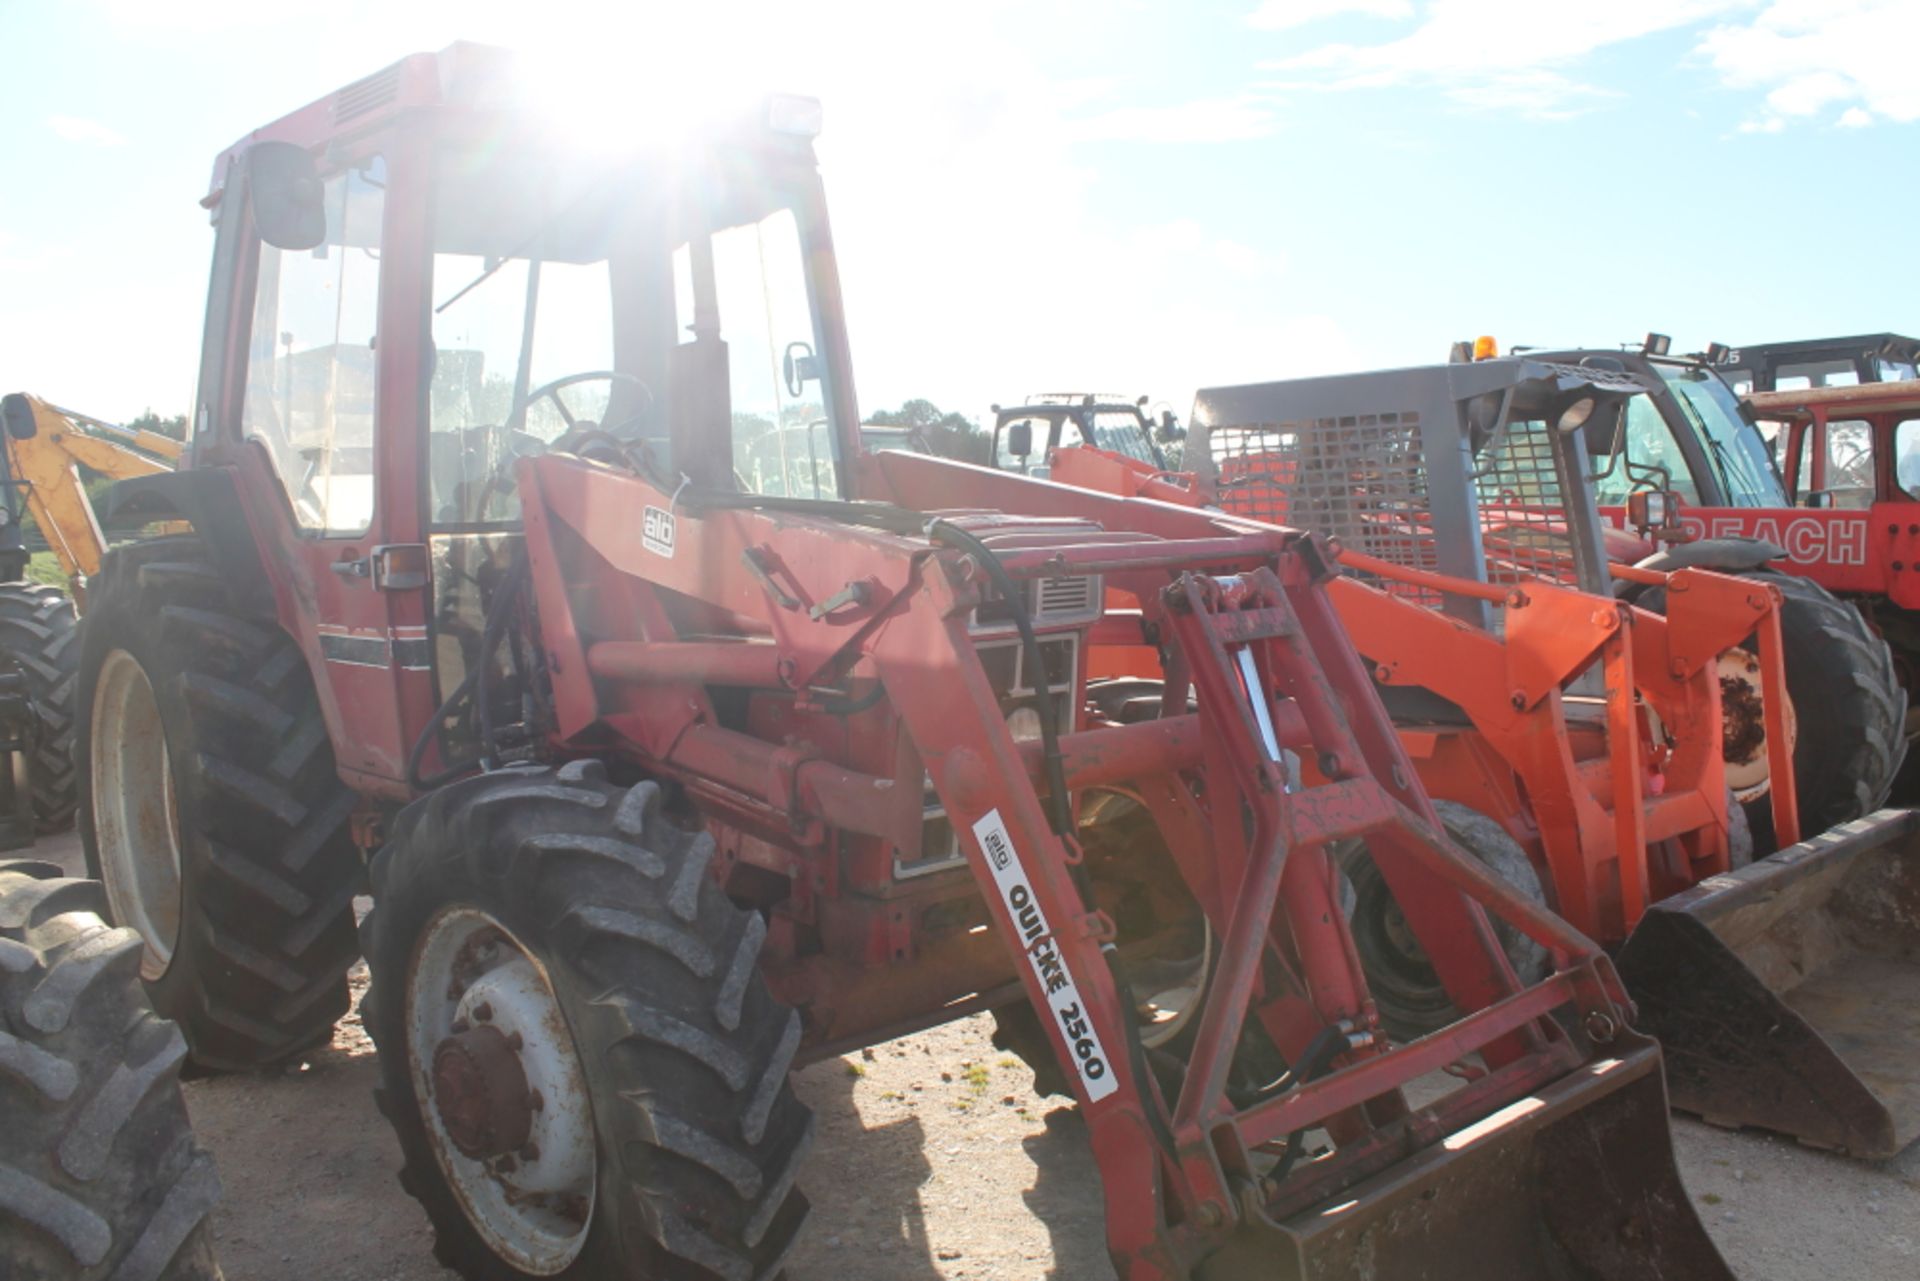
point(1144, 198)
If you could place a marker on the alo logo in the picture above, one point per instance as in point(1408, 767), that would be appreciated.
point(656, 532)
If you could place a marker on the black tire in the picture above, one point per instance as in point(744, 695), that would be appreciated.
point(99, 1174)
point(685, 1054)
point(38, 635)
point(1847, 701)
point(268, 870)
point(1405, 989)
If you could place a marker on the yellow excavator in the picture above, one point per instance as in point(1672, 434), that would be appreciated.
point(45, 448)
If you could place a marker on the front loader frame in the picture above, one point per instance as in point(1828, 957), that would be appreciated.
point(1254, 636)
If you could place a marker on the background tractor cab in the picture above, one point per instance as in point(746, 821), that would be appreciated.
point(1820, 362)
point(1025, 436)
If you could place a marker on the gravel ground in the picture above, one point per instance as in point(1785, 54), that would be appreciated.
point(933, 1160)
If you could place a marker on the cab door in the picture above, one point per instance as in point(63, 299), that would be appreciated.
point(325, 406)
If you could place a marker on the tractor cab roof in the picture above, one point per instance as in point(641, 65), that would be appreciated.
point(1801, 403)
point(483, 84)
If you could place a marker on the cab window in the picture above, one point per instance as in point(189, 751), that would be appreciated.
point(782, 442)
point(1650, 451)
point(522, 301)
point(1906, 456)
point(309, 395)
point(1850, 463)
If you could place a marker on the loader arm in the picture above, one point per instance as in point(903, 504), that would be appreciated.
point(46, 462)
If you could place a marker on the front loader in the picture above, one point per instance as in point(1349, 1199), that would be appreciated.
point(668, 783)
point(42, 449)
point(1468, 488)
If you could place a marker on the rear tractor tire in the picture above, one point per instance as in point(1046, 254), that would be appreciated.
point(99, 1174)
point(211, 810)
point(39, 637)
point(1405, 989)
point(586, 1072)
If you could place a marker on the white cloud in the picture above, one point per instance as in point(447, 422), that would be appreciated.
point(1497, 53)
point(1855, 118)
point(1809, 55)
point(1202, 121)
point(1280, 15)
point(79, 129)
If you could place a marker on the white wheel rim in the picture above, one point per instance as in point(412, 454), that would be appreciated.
point(1166, 1013)
point(136, 830)
point(1741, 692)
point(533, 1211)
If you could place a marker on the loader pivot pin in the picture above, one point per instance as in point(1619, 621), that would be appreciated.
point(480, 1092)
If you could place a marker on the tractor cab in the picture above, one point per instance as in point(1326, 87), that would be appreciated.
point(1026, 436)
point(1820, 362)
point(417, 288)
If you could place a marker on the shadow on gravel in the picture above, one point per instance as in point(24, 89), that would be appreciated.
point(1065, 1197)
point(865, 1185)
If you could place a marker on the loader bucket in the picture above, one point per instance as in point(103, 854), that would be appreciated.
point(1575, 1181)
point(1787, 994)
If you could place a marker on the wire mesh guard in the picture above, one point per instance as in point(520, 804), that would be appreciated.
point(1363, 479)
point(1523, 522)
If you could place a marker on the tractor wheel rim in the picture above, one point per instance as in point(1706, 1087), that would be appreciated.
point(1744, 732)
point(1165, 1013)
point(501, 1091)
point(136, 829)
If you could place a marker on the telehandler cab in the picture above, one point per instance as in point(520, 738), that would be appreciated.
point(669, 784)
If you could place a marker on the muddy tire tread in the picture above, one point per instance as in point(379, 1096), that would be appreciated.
point(99, 1176)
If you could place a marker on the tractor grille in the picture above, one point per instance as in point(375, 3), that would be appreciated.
point(1359, 479)
point(1050, 602)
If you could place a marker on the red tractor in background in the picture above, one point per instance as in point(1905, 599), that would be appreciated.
point(679, 745)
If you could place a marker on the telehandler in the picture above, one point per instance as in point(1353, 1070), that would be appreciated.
point(669, 785)
point(1587, 751)
point(39, 476)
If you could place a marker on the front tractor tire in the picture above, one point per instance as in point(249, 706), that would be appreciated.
point(99, 1174)
point(211, 810)
point(1849, 705)
point(1407, 992)
point(1849, 708)
point(586, 1072)
point(39, 636)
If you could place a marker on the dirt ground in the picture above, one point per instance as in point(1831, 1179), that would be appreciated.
point(933, 1160)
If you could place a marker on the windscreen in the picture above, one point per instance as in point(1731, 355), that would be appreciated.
point(1736, 452)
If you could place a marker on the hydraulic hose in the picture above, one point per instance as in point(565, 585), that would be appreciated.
point(472, 687)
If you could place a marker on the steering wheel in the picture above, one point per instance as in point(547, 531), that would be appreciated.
point(551, 391)
point(518, 443)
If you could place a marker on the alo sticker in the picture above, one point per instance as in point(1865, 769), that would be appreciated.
point(656, 532)
point(1076, 1025)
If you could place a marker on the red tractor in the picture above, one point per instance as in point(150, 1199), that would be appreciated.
point(677, 751)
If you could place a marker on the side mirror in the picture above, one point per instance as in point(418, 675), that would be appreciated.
point(1170, 428)
point(18, 416)
point(1821, 499)
point(283, 182)
point(798, 367)
point(1020, 438)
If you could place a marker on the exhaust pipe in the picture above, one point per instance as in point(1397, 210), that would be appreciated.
point(1787, 994)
